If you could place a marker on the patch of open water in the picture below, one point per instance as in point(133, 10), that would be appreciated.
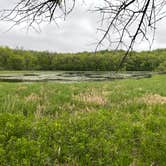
point(70, 76)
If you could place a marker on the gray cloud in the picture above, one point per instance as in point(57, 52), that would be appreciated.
point(75, 34)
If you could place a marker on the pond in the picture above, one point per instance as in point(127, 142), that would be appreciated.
point(69, 76)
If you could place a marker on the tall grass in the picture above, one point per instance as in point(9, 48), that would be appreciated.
point(117, 123)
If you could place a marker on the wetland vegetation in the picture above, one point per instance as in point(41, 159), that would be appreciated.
point(78, 118)
point(84, 123)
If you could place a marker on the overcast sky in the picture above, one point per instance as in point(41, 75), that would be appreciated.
point(77, 33)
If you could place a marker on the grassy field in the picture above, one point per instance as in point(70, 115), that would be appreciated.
point(117, 123)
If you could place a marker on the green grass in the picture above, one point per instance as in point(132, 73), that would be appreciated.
point(117, 123)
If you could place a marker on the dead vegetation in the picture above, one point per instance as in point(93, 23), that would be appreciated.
point(154, 99)
point(148, 99)
point(92, 97)
point(32, 97)
point(39, 111)
point(22, 88)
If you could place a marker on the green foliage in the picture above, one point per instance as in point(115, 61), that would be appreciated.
point(96, 123)
point(11, 59)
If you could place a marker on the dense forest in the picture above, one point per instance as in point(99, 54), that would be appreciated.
point(19, 59)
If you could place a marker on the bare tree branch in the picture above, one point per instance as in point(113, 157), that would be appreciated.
point(130, 21)
point(37, 11)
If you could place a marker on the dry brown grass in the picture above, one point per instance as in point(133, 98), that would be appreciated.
point(72, 107)
point(148, 99)
point(154, 99)
point(32, 97)
point(92, 96)
point(21, 88)
point(39, 111)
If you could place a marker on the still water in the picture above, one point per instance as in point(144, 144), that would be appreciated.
point(69, 76)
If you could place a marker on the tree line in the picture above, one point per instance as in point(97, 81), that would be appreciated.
point(19, 59)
